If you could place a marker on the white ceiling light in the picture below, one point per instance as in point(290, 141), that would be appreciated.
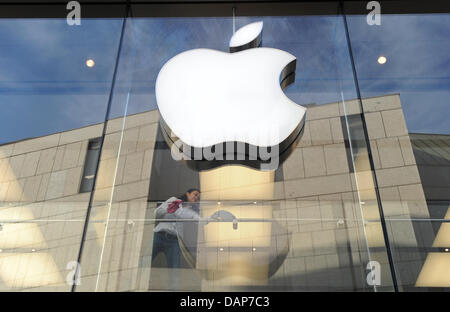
point(90, 63)
point(382, 60)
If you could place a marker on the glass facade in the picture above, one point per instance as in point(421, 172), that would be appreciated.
point(360, 203)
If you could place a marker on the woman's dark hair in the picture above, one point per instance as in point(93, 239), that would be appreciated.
point(184, 197)
point(193, 206)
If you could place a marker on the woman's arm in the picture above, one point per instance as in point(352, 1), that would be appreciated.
point(161, 210)
point(185, 213)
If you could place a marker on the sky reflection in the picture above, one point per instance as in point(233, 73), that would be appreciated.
point(417, 48)
point(45, 86)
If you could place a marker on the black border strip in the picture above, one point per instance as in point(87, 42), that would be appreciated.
point(205, 8)
point(399, 6)
point(59, 10)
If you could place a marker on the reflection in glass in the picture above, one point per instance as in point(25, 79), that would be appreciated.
point(408, 136)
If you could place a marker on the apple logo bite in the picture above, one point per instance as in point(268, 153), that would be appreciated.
point(221, 108)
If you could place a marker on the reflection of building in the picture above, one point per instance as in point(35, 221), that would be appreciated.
point(323, 194)
point(432, 153)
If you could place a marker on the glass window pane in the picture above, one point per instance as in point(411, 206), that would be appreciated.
point(300, 227)
point(52, 105)
point(409, 136)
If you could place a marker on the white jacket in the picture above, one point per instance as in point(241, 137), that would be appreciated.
point(183, 212)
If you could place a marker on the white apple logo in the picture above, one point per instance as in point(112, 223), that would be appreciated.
point(208, 97)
